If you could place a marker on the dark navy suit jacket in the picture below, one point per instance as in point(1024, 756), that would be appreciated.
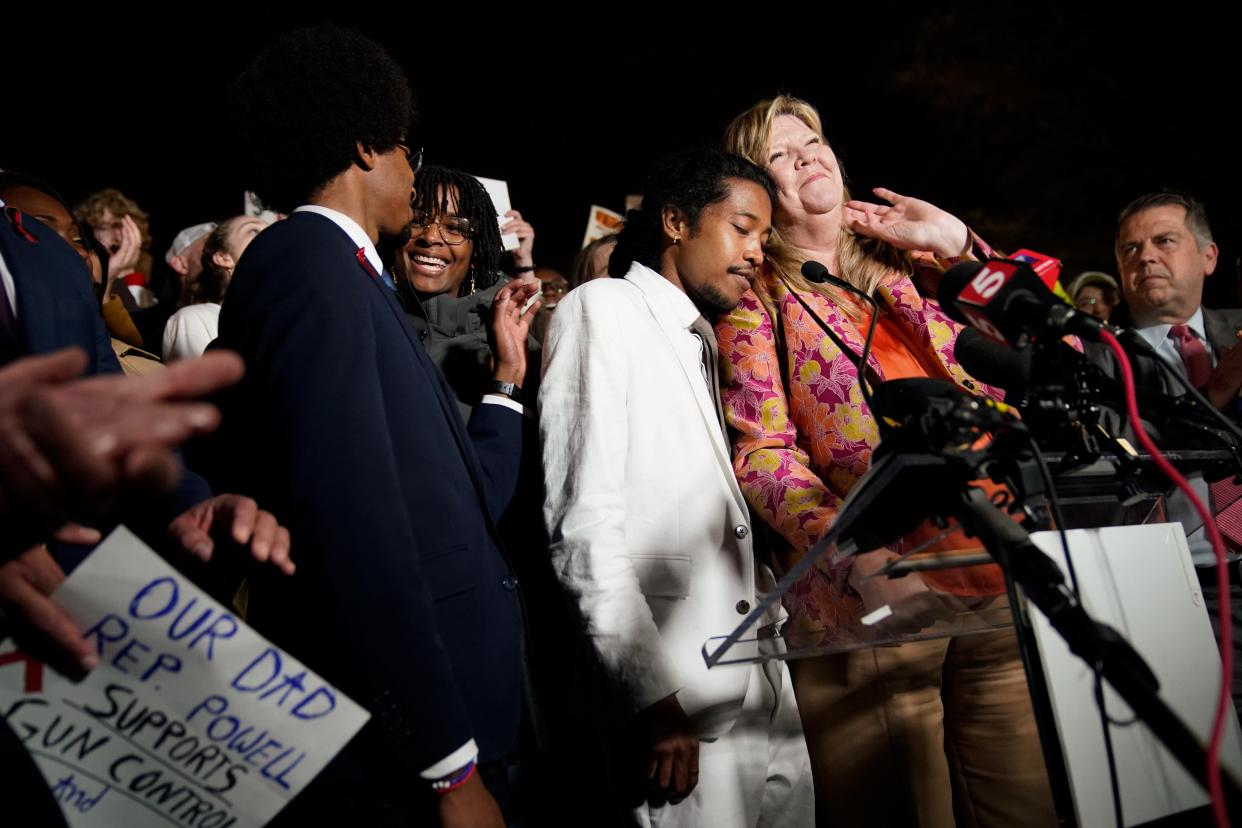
point(344, 428)
point(56, 308)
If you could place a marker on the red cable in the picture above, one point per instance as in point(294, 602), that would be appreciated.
point(1222, 578)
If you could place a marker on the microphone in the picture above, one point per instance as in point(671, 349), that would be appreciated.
point(992, 363)
point(1009, 303)
point(1047, 268)
point(1063, 380)
point(909, 469)
point(814, 271)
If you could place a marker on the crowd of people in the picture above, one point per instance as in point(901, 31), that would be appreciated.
point(504, 509)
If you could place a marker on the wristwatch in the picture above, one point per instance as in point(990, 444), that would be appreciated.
point(509, 389)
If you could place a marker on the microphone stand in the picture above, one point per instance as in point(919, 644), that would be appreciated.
point(1095, 643)
point(867, 520)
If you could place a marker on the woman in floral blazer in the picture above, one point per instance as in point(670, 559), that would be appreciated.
point(936, 732)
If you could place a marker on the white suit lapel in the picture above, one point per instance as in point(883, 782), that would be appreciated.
point(670, 328)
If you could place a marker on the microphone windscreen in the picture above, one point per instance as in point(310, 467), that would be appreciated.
point(952, 284)
point(902, 398)
point(815, 272)
point(990, 362)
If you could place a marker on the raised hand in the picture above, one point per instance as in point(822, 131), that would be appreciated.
point(509, 328)
point(908, 224)
point(524, 255)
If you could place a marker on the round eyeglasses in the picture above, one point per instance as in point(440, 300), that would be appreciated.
point(453, 229)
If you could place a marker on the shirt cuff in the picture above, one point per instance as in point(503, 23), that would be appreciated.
point(501, 399)
point(454, 761)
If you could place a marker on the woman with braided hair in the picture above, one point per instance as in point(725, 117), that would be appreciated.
point(447, 277)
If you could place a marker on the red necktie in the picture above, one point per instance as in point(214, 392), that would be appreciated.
point(1196, 358)
point(1226, 495)
point(366, 263)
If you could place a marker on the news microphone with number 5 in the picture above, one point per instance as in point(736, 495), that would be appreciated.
point(1008, 302)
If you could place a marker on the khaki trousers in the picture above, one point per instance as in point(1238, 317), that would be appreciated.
point(933, 733)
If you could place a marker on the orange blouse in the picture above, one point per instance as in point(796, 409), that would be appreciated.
point(899, 358)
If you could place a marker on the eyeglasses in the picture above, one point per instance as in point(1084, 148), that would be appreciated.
point(453, 229)
point(415, 157)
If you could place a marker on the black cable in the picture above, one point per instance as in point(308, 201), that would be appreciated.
point(819, 274)
point(1054, 506)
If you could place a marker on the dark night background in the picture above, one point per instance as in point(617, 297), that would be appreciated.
point(1034, 125)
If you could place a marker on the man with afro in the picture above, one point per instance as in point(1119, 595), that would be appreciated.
point(403, 595)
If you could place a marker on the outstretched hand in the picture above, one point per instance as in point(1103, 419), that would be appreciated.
point(72, 446)
point(908, 224)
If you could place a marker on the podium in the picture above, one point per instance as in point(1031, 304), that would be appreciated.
point(1139, 580)
point(1135, 574)
point(1087, 507)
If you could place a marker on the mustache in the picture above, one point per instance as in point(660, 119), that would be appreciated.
point(747, 272)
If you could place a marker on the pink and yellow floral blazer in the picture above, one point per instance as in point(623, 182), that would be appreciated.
point(799, 450)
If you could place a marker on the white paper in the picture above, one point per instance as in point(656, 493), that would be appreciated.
point(189, 709)
point(252, 206)
point(499, 192)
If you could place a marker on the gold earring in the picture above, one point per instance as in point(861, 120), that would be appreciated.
point(472, 278)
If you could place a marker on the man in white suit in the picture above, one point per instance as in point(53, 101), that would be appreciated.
point(649, 530)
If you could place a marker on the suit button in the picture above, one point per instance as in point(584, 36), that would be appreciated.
point(742, 607)
point(741, 531)
point(509, 582)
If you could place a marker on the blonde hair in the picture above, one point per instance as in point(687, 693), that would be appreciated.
point(863, 262)
point(91, 210)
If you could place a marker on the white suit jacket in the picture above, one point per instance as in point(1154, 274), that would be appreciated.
point(649, 530)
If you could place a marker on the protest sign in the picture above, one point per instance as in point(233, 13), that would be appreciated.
point(190, 719)
point(602, 222)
